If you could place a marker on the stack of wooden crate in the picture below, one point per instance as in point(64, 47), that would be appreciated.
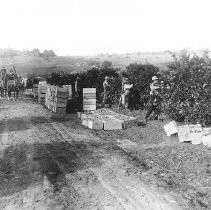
point(56, 99)
point(70, 92)
point(48, 97)
point(89, 99)
point(107, 120)
point(60, 100)
point(41, 94)
point(53, 93)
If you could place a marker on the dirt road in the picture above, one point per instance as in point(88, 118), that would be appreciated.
point(49, 161)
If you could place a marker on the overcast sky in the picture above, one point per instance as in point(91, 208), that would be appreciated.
point(89, 27)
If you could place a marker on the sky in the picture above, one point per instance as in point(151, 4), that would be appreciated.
point(91, 27)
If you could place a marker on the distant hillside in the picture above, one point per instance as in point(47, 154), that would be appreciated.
point(28, 62)
point(31, 64)
point(123, 60)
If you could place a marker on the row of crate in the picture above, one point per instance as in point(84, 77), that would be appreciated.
point(53, 97)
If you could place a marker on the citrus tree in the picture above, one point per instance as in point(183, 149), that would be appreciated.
point(187, 93)
point(140, 75)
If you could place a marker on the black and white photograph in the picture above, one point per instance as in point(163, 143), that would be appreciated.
point(105, 105)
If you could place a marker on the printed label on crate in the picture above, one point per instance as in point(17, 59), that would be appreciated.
point(195, 128)
point(89, 99)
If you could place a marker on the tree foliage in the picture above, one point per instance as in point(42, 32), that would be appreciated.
point(106, 64)
point(141, 76)
point(187, 93)
point(92, 78)
point(48, 54)
point(10, 53)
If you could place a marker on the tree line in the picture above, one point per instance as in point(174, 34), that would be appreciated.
point(10, 53)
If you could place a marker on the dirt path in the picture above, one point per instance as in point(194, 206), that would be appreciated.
point(52, 162)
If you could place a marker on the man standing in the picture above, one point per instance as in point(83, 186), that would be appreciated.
point(3, 72)
point(154, 85)
point(154, 105)
point(155, 100)
point(106, 92)
point(126, 87)
point(77, 88)
point(78, 94)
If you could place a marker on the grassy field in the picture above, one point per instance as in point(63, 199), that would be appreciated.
point(165, 162)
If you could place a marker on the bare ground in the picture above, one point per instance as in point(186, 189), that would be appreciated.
point(48, 161)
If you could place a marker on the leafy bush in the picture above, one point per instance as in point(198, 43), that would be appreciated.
point(92, 78)
point(60, 78)
point(187, 94)
point(138, 74)
point(95, 77)
point(141, 76)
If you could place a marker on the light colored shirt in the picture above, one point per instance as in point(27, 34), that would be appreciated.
point(106, 85)
point(153, 86)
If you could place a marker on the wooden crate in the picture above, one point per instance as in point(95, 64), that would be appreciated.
point(89, 99)
point(59, 110)
point(60, 100)
point(70, 92)
point(94, 124)
point(112, 124)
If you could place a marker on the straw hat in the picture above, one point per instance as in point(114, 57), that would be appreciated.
point(154, 78)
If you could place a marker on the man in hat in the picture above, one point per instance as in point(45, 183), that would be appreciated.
point(126, 87)
point(154, 85)
point(106, 92)
point(154, 105)
point(155, 100)
point(3, 72)
point(78, 94)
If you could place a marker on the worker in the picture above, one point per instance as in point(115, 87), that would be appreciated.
point(126, 88)
point(3, 72)
point(106, 92)
point(154, 104)
point(78, 96)
point(77, 88)
point(154, 85)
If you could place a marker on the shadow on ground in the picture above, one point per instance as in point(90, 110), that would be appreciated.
point(14, 124)
point(22, 123)
point(24, 165)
